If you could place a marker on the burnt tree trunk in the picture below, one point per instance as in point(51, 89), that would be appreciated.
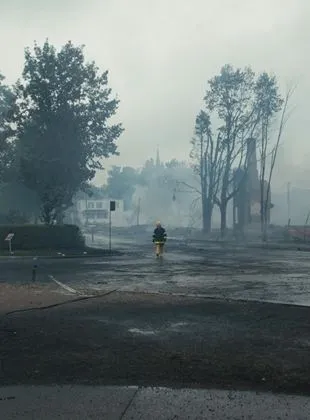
point(223, 211)
point(207, 209)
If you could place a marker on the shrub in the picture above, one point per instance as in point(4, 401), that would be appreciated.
point(15, 217)
point(42, 237)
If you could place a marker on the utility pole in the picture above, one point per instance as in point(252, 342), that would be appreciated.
point(138, 211)
point(112, 208)
point(288, 192)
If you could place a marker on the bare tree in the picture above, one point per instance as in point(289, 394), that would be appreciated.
point(231, 98)
point(268, 105)
point(206, 155)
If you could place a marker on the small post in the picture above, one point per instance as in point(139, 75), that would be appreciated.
point(112, 208)
point(9, 238)
point(110, 231)
point(92, 232)
point(34, 270)
point(34, 273)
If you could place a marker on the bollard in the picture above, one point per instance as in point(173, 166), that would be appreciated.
point(34, 272)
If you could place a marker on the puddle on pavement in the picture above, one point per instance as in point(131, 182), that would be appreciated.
point(178, 325)
point(292, 276)
point(142, 332)
point(175, 256)
point(175, 326)
point(131, 325)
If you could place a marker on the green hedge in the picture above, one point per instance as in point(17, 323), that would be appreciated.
point(42, 237)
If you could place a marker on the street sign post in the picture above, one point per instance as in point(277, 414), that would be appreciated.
point(112, 208)
point(9, 238)
point(92, 231)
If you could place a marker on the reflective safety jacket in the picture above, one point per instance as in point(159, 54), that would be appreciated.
point(159, 235)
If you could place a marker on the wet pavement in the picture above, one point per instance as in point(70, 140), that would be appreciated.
point(158, 340)
point(224, 272)
point(116, 403)
point(210, 270)
point(137, 337)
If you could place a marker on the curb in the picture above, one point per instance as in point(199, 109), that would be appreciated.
point(108, 254)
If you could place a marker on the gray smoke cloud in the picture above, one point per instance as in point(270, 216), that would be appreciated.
point(161, 54)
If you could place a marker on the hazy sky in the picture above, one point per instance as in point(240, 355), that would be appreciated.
point(161, 53)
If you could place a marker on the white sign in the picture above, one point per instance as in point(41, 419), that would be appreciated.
point(10, 237)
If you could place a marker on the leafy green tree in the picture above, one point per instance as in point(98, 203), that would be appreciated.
point(16, 199)
point(122, 184)
point(61, 117)
point(148, 171)
point(174, 164)
point(6, 148)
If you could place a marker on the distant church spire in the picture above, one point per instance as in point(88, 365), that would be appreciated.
point(157, 158)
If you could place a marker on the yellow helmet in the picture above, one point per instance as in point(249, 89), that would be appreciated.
point(158, 224)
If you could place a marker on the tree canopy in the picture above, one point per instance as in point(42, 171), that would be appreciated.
point(61, 119)
point(238, 106)
point(121, 184)
point(6, 147)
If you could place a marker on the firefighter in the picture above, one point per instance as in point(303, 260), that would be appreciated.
point(159, 239)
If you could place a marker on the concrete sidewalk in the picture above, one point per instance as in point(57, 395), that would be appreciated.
point(116, 403)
